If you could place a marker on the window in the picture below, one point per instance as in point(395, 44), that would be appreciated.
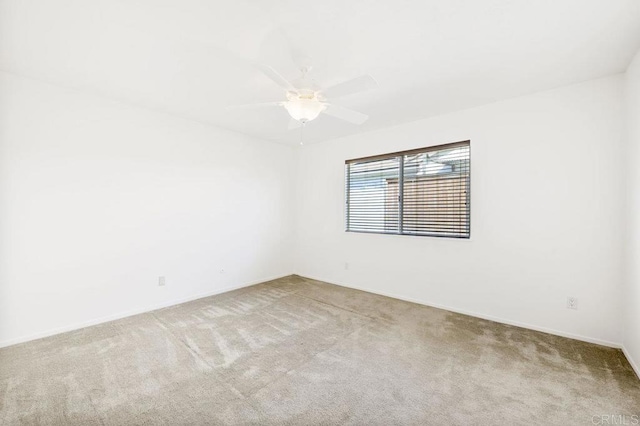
point(419, 192)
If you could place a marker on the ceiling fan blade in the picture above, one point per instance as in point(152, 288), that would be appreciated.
point(346, 114)
point(254, 106)
point(294, 124)
point(355, 85)
point(276, 77)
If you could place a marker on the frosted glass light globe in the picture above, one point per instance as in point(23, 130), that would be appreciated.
point(303, 109)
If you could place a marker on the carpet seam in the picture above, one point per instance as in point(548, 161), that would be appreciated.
point(249, 399)
point(336, 306)
point(168, 330)
point(309, 359)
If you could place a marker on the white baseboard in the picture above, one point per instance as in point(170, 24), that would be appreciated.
point(478, 315)
point(58, 330)
point(631, 361)
point(120, 315)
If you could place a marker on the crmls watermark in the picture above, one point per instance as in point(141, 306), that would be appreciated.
point(616, 419)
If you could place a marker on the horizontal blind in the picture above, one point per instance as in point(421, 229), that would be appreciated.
point(418, 192)
point(435, 192)
point(372, 203)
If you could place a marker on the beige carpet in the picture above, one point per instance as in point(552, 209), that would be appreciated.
point(298, 351)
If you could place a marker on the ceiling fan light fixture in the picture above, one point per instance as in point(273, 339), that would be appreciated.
point(304, 110)
point(306, 101)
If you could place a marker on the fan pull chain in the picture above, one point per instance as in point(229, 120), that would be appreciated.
point(301, 131)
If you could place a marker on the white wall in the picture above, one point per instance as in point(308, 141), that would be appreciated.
point(631, 296)
point(98, 199)
point(546, 214)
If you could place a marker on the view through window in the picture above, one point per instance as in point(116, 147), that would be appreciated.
point(418, 192)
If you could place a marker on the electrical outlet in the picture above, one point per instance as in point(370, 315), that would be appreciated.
point(572, 302)
point(161, 281)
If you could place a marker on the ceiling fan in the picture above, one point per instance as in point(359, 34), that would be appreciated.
point(305, 101)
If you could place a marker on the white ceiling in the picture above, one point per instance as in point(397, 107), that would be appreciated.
point(193, 58)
